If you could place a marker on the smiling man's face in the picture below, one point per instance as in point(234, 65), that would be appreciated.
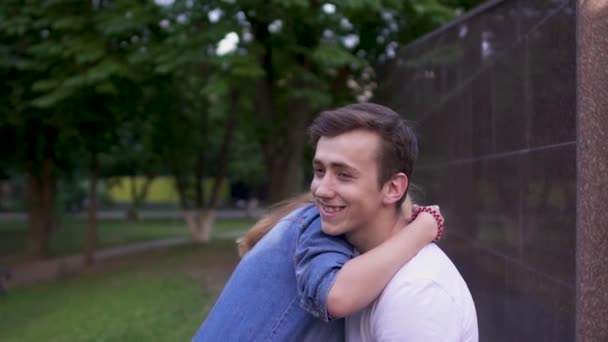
point(345, 184)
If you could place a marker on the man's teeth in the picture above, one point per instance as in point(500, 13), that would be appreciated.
point(331, 209)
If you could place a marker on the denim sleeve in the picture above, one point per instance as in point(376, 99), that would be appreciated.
point(318, 258)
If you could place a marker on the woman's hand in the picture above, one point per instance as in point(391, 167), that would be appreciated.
point(431, 217)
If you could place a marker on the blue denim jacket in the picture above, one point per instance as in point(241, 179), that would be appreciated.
point(278, 292)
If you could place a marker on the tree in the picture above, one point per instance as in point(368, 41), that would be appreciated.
point(65, 71)
point(316, 55)
point(38, 145)
point(206, 95)
point(150, 82)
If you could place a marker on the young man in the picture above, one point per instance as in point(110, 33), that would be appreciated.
point(362, 165)
point(296, 282)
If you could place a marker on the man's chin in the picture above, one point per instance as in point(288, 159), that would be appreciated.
point(330, 229)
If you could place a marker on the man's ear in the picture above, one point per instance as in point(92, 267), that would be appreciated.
point(395, 188)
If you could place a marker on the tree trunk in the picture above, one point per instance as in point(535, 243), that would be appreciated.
point(40, 210)
point(200, 223)
point(91, 235)
point(190, 216)
point(285, 166)
point(285, 175)
point(283, 155)
point(225, 149)
point(51, 224)
point(283, 136)
point(137, 198)
point(199, 168)
point(180, 187)
point(132, 214)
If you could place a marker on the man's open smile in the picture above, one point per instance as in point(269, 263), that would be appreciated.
point(330, 210)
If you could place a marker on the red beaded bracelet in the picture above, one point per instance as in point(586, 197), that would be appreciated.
point(440, 221)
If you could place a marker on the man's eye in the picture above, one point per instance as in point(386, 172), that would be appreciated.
point(345, 175)
point(318, 172)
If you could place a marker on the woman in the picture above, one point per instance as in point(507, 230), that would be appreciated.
point(282, 288)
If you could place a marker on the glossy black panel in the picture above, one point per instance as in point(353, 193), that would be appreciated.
point(494, 98)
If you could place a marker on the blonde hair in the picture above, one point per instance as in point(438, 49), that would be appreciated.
point(246, 242)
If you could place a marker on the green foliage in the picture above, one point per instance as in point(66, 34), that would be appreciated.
point(145, 86)
point(332, 56)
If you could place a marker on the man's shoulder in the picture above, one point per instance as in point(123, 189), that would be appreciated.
point(430, 268)
point(429, 275)
point(429, 286)
point(429, 261)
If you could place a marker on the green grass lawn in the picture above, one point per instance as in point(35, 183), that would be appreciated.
point(155, 296)
point(68, 237)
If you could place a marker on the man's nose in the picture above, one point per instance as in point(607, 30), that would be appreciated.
point(325, 187)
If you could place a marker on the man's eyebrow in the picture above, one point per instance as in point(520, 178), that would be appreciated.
point(337, 165)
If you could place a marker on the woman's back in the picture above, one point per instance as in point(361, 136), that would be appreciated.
point(288, 269)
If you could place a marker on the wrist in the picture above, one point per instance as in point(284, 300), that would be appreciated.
point(432, 215)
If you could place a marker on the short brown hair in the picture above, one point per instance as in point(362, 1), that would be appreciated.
point(399, 148)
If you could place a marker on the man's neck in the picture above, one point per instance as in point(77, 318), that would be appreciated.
point(385, 226)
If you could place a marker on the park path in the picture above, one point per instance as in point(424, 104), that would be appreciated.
point(33, 272)
point(144, 214)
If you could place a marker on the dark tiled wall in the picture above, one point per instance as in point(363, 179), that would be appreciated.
point(494, 97)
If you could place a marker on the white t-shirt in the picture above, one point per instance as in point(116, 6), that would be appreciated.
point(427, 300)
